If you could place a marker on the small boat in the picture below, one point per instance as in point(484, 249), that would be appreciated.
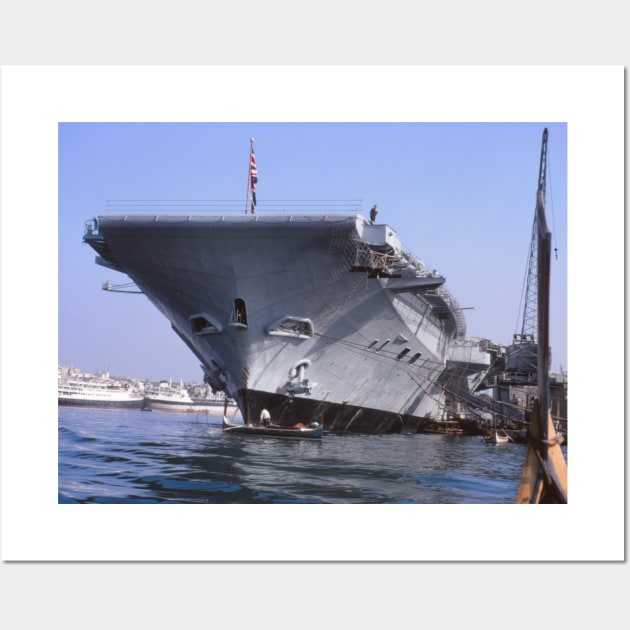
point(450, 427)
point(497, 436)
point(299, 430)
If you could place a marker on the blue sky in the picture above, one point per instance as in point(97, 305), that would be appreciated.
point(460, 195)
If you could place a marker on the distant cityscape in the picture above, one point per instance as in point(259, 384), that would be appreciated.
point(67, 372)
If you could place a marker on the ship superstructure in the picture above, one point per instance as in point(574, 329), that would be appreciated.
point(322, 315)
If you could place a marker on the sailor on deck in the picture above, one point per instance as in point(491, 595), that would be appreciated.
point(373, 213)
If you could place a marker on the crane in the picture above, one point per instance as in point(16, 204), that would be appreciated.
point(521, 356)
point(530, 312)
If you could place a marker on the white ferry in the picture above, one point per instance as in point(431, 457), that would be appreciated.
point(177, 399)
point(96, 393)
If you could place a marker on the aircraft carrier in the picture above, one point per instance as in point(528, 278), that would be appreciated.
point(309, 314)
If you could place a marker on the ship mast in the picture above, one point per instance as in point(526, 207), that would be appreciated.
point(544, 478)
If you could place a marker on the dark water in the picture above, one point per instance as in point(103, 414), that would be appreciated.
point(111, 456)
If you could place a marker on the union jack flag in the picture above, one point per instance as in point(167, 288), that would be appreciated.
point(253, 179)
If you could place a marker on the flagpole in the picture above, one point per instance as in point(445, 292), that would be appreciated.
point(252, 179)
point(249, 173)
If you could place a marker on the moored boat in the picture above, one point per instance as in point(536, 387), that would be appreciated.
point(301, 307)
point(298, 430)
point(497, 436)
point(177, 400)
point(323, 312)
point(454, 426)
point(98, 393)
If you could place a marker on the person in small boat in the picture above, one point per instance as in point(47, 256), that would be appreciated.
point(265, 418)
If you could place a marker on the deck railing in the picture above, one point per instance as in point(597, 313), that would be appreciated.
point(205, 206)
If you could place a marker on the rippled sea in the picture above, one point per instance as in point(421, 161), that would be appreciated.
point(115, 456)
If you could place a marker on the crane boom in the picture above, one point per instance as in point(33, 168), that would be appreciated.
point(542, 170)
point(521, 356)
point(530, 312)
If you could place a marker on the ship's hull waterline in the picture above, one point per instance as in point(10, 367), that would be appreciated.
point(322, 316)
point(169, 406)
point(100, 404)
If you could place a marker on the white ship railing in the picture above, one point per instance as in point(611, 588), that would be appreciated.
point(205, 206)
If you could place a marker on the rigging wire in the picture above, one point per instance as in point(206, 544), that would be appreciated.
point(553, 216)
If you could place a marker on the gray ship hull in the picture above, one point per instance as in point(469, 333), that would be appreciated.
point(308, 316)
